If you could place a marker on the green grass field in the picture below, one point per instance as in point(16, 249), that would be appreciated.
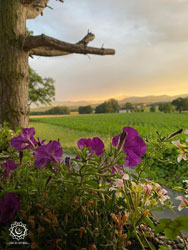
point(69, 129)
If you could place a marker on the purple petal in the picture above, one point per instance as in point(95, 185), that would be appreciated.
point(97, 146)
point(9, 206)
point(115, 140)
point(131, 131)
point(18, 143)
point(84, 143)
point(41, 163)
point(25, 140)
point(132, 159)
point(135, 144)
point(28, 132)
point(9, 166)
point(49, 153)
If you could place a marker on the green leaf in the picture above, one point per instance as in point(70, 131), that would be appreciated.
point(159, 228)
point(165, 221)
point(151, 161)
point(152, 246)
point(183, 220)
point(170, 233)
point(161, 247)
point(134, 176)
point(149, 222)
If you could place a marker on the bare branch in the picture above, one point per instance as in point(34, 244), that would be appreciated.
point(33, 42)
point(49, 7)
point(46, 51)
point(88, 38)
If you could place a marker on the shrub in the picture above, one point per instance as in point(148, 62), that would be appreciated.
point(85, 109)
point(110, 106)
point(58, 110)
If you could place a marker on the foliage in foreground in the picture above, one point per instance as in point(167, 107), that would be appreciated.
point(89, 202)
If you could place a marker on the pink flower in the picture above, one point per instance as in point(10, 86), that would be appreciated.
point(182, 155)
point(148, 188)
point(183, 204)
point(176, 143)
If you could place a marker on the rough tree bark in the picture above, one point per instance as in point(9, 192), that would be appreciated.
point(13, 64)
point(15, 48)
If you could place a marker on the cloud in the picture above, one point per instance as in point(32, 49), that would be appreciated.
point(150, 38)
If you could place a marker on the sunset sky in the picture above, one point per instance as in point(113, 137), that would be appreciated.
point(150, 38)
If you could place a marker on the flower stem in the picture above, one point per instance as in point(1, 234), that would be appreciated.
point(138, 238)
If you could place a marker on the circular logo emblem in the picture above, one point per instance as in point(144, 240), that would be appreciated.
point(18, 230)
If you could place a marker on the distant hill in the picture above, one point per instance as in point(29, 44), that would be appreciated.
point(133, 99)
point(76, 103)
point(151, 99)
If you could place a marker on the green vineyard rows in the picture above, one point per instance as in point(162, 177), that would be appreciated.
point(111, 124)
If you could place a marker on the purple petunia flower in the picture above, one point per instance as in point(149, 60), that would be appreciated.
point(84, 143)
point(49, 153)
point(96, 145)
point(9, 206)
point(25, 140)
point(133, 145)
point(9, 166)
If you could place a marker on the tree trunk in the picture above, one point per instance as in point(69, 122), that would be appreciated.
point(13, 64)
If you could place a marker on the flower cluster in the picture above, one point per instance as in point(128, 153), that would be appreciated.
point(50, 155)
point(183, 154)
point(96, 184)
point(146, 195)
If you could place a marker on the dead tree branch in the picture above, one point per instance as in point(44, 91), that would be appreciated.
point(46, 51)
point(47, 46)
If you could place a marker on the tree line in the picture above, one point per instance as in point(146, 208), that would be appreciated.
point(110, 106)
point(180, 104)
